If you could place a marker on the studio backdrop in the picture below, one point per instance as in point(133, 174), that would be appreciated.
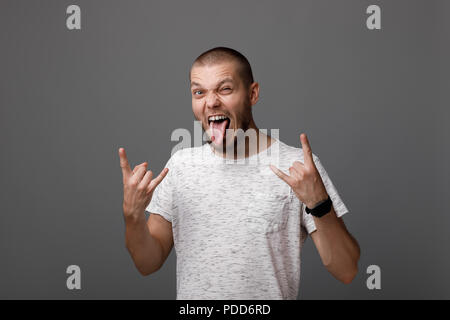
point(367, 81)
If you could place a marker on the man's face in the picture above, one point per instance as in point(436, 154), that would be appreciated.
point(217, 90)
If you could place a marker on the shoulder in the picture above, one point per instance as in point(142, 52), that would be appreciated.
point(291, 154)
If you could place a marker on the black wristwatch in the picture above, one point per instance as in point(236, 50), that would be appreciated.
point(321, 209)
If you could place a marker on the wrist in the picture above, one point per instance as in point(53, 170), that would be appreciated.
point(317, 201)
point(134, 218)
point(321, 208)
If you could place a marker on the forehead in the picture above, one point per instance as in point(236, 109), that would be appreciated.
point(213, 73)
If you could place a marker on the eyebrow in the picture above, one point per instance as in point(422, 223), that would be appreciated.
point(218, 85)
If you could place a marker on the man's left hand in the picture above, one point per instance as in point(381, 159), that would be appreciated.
point(304, 178)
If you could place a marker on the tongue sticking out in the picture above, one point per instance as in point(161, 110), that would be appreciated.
point(218, 131)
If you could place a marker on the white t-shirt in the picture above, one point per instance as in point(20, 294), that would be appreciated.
point(238, 229)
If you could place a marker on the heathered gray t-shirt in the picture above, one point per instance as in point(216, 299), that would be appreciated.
point(238, 229)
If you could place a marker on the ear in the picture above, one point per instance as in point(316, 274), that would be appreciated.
point(254, 93)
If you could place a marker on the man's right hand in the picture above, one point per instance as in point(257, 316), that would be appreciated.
point(138, 186)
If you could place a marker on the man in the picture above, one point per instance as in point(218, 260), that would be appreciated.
point(238, 229)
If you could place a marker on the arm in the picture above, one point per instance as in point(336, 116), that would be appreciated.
point(337, 248)
point(149, 243)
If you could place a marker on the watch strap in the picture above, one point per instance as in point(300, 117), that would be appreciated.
point(321, 209)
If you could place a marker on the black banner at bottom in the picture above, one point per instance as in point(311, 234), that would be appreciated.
point(200, 309)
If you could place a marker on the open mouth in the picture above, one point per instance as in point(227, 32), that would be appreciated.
point(218, 125)
point(218, 120)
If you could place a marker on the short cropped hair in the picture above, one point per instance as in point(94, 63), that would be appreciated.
point(224, 54)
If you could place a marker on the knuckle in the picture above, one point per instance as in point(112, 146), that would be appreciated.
point(132, 183)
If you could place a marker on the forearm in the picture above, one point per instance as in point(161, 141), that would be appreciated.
point(339, 251)
point(144, 249)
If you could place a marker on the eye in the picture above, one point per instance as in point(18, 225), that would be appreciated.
point(195, 92)
point(226, 88)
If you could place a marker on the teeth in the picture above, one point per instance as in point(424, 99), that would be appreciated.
point(215, 118)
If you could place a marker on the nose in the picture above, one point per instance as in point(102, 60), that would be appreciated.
point(212, 101)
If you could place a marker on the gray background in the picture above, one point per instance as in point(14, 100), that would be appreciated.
point(371, 102)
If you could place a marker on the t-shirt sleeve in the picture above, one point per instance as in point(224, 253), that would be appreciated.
point(338, 204)
point(163, 200)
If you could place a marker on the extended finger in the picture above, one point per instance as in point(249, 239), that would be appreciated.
point(126, 170)
point(154, 183)
point(306, 147)
point(282, 175)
